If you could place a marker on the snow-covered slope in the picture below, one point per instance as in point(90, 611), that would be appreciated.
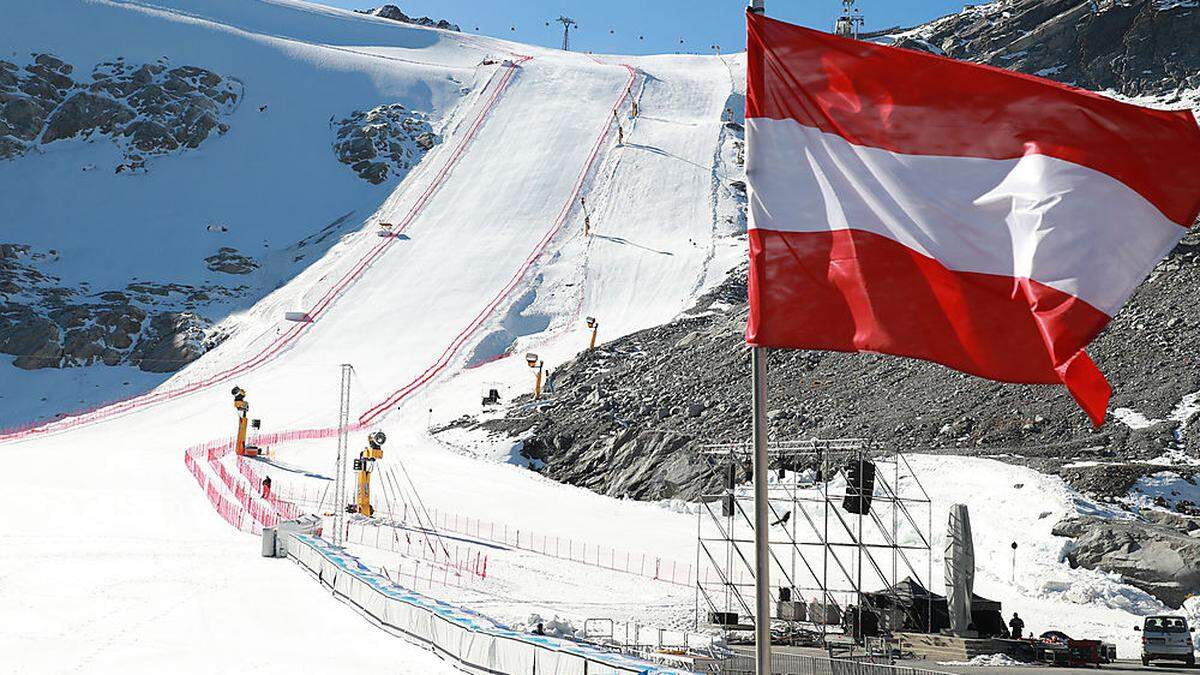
point(271, 188)
point(118, 559)
point(490, 223)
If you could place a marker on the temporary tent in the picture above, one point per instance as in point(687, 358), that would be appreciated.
point(908, 606)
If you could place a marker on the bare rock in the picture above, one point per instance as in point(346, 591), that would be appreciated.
point(229, 261)
point(383, 142)
point(84, 112)
point(1157, 558)
point(173, 340)
point(33, 339)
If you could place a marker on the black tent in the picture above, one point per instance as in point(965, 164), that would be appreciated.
point(910, 607)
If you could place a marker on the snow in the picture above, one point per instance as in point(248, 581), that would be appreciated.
point(119, 562)
point(146, 575)
point(992, 660)
point(1133, 419)
point(1182, 413)
point(1168, 487)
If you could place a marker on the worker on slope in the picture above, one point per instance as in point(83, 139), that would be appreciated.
point(1016, 626)
point(266, 487)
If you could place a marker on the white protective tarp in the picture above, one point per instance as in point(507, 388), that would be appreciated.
point(475, 642)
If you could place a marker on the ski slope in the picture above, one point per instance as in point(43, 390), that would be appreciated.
point(119, 560)
point(490, 221)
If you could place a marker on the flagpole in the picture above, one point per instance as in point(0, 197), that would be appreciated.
point(762, 555)
point(762, 542)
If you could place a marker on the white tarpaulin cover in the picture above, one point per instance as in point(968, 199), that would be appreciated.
point(476, 642)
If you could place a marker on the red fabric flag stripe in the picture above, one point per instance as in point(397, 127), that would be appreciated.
point(920, 104)
point(849, 290)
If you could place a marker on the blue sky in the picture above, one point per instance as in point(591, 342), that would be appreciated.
point(649, 26)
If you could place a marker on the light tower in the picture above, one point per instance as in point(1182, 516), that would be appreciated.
point(850, 23)
point(536, 364)
point(567, 22)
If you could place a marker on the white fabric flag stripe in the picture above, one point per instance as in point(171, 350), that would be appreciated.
point(1067, 226)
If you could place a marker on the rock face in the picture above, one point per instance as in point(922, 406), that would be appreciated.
point(1159, 554)
point(147, 110)
point(172, 340)
point(1133, 47)
point(229, 261)
point(45, 325)
point(393, 12)
point(384, 142)
point(688, 380)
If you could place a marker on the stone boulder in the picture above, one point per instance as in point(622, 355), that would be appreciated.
point(1161, 559)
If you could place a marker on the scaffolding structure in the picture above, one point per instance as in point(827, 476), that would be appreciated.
point(835, 541)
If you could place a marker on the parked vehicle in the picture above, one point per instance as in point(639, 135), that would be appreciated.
point(1167, 638)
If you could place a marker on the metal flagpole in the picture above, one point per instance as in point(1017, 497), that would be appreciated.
point(762, 542)
point(762, 555)
point(761, 521)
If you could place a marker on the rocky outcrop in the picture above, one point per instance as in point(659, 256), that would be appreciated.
point(1159, 554)
point(384, 142)
point(45, 325)
point(689, 379)
point(393, 12)
point(1133, 47)
point(147, 110)
point(1113, 482)
point(229, 261)
point(173, 340)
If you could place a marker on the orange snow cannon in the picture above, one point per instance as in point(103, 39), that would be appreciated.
point(243, 408)
point(365, 465)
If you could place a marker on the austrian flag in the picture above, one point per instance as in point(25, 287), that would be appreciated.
point(990, 221)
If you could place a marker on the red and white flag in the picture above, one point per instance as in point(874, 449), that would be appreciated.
point(990, 221)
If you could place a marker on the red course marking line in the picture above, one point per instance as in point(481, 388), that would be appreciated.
point(294, 332)
point(443, 361)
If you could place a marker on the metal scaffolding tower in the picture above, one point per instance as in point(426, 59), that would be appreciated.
point(836, 539)
point(339, 475)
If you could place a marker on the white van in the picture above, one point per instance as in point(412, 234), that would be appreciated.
point(1167, 638)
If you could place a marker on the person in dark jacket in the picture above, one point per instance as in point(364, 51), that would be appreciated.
point(1016, 626)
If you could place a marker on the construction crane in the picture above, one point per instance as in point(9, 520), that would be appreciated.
point(242, 406)
point(567, 23)
point(364, 465)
